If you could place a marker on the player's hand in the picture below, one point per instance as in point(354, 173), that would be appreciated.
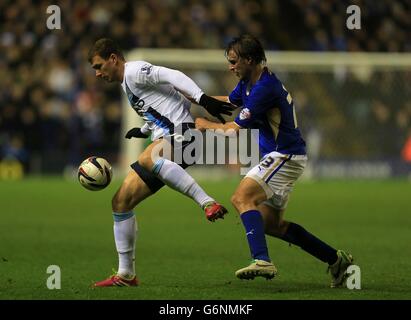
point(201, 124)
point(216, 107)
point(136, 133)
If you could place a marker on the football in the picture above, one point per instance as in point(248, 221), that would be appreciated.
point(95, 173)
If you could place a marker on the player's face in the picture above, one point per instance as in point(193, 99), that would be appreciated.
point(238, 65)
point(105, 69)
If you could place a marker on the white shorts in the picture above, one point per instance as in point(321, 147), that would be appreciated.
point(276, 174)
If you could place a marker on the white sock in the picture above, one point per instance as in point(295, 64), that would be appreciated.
point(125, 234)
point(177, 178)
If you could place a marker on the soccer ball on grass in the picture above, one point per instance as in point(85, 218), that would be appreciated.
point(95, 173)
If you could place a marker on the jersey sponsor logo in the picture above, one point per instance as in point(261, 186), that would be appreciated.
point(136, 103)
point(245, 114)
point(146, 69)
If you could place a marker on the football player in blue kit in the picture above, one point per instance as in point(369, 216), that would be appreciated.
point(262, 196)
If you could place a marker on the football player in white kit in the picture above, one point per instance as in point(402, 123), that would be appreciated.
point(162, 97)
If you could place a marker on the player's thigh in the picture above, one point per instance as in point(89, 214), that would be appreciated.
point(277, 174)
point(248, 195)
point(146, 159)
point(160, 148)
point(132, 191)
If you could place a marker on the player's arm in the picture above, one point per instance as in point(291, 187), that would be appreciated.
point(189, 89)
point(191, 99)
point(222, 98)
point(228, 129)
point(257, 105)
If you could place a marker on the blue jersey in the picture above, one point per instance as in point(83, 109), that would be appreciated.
point(268, 106)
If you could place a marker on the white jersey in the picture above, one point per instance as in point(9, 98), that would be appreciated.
point(157, 94)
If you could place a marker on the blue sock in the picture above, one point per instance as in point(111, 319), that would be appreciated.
point(254, 228)
point(299, 236)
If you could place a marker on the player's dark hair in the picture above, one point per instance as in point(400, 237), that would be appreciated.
point(248, 47)
point(104, 48)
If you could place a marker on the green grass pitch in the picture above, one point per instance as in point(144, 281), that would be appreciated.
point(180, 255)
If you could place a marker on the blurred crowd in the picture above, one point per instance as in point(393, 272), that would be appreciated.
point(53, 112)
point(362, 116)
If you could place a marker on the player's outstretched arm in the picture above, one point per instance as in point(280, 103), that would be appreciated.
point(222, 98)
point(216, 107)
point(228, 129)
point(190, 90)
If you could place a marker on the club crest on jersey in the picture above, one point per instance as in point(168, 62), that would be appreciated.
point(245, 114)
point(146, 69)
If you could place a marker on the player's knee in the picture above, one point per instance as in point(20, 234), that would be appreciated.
point(121, 202)
point(235, 200)
point(240, 201)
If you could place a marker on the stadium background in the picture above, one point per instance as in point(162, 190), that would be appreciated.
point(54, 113)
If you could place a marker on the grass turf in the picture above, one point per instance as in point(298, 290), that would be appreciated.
point(180, 255)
